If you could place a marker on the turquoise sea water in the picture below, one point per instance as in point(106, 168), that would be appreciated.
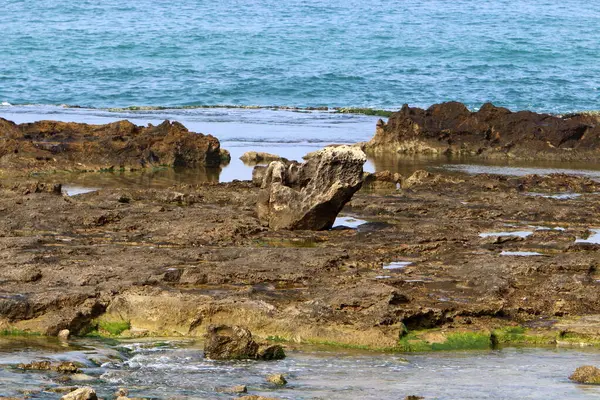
point(540, 55)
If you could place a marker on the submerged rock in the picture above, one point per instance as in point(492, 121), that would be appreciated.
point(69, 145)
point(586, 374)
point(450, 128)
point(225, 342)
point(84, 393)
point(310, 195)
point(64, 367)
point(277, 379)
point(233, 389)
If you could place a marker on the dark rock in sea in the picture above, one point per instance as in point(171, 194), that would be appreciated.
point(492, 132)
point(225, 342)
point(310, 195)
point(586, 374)
point(118, 145)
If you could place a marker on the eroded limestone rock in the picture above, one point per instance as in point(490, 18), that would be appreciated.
point(310, 195)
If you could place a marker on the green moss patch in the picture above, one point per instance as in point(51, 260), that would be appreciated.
point(18, 332)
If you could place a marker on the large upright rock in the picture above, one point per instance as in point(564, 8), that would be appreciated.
point(493, 132)
point(310, 195)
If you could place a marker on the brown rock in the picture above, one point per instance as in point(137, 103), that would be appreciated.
point(229, 343)
point(254, 157)
point(586, 374)
point(233, 389)
point(84, 393)
point(277, 379)
point(270, 352)
point(53, 144)
point(310, 195)
point(450, 128)
point(64, 367)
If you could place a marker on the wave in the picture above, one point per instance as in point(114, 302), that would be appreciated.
point(369, 111)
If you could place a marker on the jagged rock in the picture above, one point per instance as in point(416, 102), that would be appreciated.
point(69, 145)
point(450, 128)
point(256, 157)
point(84, 393)
point(277, 379)
point(225, 342)
point(255, 397)
point(310, 195)
point(586, 374)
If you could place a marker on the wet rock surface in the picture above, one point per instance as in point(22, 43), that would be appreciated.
point(310, 195)
point(225, 342)
point(450, 128)
point(155, 266)
point(52, 145)
point(587, 374)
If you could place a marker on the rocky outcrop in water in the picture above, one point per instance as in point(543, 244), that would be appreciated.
point(310, 195)
point(586, 374)
point(75, 146)
point(451, 129)
point(225, 342)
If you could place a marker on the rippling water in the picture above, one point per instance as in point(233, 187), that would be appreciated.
point(177, 368)
point(541, 55)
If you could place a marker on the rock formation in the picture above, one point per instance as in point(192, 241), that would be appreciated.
point(225, 342)
point(310, 195)
point(69, 145)
point(451, 129)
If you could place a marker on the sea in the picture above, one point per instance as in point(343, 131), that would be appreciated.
point(539, 55)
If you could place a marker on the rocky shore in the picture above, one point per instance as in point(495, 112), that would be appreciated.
point(440, 261)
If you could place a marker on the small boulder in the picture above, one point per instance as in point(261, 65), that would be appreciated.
point(225, 342)
point(270, 352)
point(277, 379)
point(310, 195)
point(64, 334)
point(586, 374)
point(84, 393)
